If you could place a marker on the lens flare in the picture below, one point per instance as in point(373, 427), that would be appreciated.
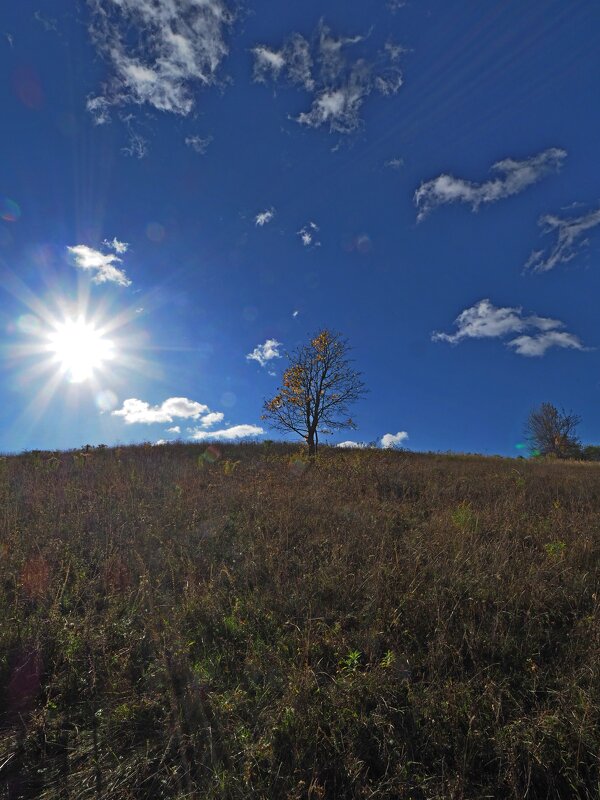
point(155, 231)
point(9, 210)
point(106, 400)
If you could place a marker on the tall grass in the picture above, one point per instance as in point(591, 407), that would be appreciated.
point(234, 622)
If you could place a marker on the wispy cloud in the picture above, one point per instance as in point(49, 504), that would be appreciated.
point(264, 217)
point(158, 51)
point(48, 23)
point(295, 314)
point(138, 411)
point(294, 59)
point(198, 143)
point(263, 353)
point(102, 265)
point(308, 233)
point(174, 429)
point(537, 345)
point(269, 63)
point(227, 434)
point(137, 146)
point(514, 177)
point(569, 241)
point(486, 321)
point(116, 245)
point(395, 163)
point(339, 86)
point(395, 50)
point(393, 439)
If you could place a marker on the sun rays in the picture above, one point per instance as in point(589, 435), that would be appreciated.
point(72, 347)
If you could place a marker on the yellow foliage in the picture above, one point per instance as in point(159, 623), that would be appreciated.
point(322, 342)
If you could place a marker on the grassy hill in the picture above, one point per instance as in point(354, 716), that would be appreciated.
point(234, 622)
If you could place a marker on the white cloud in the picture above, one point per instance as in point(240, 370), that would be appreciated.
point(308, 233)
point(515, 176)
point(266, 62)
point(102, 265)
point(116, 245)
point(395, 163)
point(294, 58)
point(264, 217)
point(139, 411)
point(263, 353)
point(198, 144)
point(160, 442)
point(295, 314)
point(212, 419)
point(486, 321)
point(158, 51)
point(174, 429)
point(395, 50)
point(349, 444)
point(569, 240)
point(227, 434)
point(537, 345)
point(392, 439)
point(339, 107)
point(339, 86)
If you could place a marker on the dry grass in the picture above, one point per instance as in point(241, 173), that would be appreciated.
point(183, 622)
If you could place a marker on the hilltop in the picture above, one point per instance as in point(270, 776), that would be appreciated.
point(233, 621)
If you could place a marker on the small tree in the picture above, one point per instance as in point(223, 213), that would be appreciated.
point(591, 452)
point(551, 432)
point(318, 387)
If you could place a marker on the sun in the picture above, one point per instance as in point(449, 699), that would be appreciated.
point(80, 349)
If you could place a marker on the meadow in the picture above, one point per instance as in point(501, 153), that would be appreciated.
point(236, 621)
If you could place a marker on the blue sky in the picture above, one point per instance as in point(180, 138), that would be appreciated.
point(182, 189)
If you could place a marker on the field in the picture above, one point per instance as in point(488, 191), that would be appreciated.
point(236, 622)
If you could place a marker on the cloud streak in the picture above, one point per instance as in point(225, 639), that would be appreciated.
point(570, 233)
point(158, 52)
point(100, 265)
point(227, 434)
point(486, 321)
point(513, 177)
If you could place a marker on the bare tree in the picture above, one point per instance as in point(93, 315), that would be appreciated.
point(318, 387)
point(551, 432)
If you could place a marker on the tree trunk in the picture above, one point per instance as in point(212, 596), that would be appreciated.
point(312, 446)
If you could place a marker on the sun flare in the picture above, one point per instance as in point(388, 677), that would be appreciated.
point(80, 349)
